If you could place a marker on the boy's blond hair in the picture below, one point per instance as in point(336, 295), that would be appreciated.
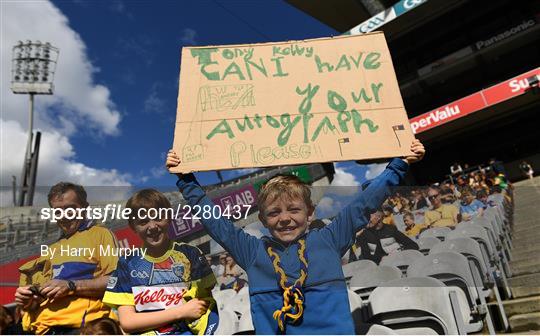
point(284, 186)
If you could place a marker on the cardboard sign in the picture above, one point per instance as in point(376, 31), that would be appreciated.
point(296, 102)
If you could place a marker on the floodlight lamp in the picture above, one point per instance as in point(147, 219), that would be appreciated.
point(33, 67)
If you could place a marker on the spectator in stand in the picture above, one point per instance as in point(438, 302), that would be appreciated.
point(73, 290)
point(501, 181)
point(234, 276)
point(220, 268)
point(482, 196)
point(527, 169)
point(461, 181)
point(497, 166)
point(211, 263)
point(355, 252)
point(412, 229)
point(397, 203)
point(388, 216)
point(441, 215)
point(102, 326)
point(379, 240)
point(470, 206)
point(447, 195)
point(418, 201)
point(456, 169)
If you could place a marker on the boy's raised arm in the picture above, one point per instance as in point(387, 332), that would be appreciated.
point(239, 244)
point(352, 218)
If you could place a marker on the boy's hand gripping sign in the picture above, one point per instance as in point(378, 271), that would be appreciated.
point(258, 105)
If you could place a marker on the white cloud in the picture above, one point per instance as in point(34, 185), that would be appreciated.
point(374, 170)
point(326, 204)
point(188, 36)
point(344, 183)
point(78, 105)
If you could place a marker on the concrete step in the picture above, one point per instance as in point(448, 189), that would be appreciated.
point(520, 252)
point(530, 220)
point(521, 306)
point(523, 263)
point(532, 246)
point(529, 280)
point(530, 232)
point(522, 256)
point(532, 238)
point(525, 268)
point(526, 216)
point(525, 291)
point(525, 226)
point(525, 322)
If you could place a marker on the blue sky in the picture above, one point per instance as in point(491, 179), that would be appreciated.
point(127, 52)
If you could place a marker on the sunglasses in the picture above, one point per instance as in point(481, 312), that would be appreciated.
point(432, 197)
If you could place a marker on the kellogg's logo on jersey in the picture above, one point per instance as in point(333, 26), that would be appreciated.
point(157, 297)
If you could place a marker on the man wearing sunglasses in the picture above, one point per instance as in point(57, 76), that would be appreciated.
point(441, 215)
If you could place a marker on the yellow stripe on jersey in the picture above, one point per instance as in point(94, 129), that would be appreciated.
point(118, 299)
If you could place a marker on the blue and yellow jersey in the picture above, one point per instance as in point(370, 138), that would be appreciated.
point(72, 260)
point(154, 284)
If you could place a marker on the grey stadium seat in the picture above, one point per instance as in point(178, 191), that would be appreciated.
point(437, 232)
point(352, 268)
point(228, 322)
point(453, 269)
point(489, 248)
point(364, 283)
point(401, 259)
point(426, 243)
point(480, 268)
point(420, 303)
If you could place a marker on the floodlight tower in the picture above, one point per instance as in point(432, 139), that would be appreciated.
point(32, 72)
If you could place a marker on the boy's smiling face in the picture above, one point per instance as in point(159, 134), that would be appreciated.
point(286, 219)
point(154, 233)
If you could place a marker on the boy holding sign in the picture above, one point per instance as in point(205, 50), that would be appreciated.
point(296, 282)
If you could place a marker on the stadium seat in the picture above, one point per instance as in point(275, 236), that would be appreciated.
point(489, 252)
point(363, 283)
point(484, 228)
point(357, 309)
point(401, 259)
point(426, 243)
point(228, 322)
point(479, 268)
point(223, 297)
point(240, 303)
point(453, 269)
point(350, 269)
point(245, 325)
point(421, 303)
point(377, 329)
point(437, 232)
point(492, 216)
point(355, 302)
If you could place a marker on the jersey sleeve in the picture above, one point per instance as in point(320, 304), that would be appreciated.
point(118, 292)
point(201, 273)
point(107, 262)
